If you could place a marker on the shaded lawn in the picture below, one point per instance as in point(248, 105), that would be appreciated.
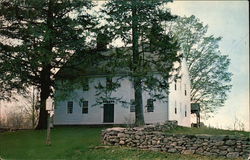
point(74, 143)
point(209, 131)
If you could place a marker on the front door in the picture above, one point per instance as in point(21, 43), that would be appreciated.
point(108, 113)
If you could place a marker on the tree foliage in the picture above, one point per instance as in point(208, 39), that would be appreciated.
point(37, 38)
point(149, 52)
point(208, 67)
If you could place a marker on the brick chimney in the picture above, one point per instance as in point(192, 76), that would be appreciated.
point(101, 42)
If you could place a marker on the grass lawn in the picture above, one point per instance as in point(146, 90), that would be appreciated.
point(74, 143)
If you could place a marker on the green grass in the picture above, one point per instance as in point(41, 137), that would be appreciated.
point(75, 143)
point(209, 131)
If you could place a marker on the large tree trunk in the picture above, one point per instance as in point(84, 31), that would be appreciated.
point(139, 117)
point(44, 94)
point(43, 116)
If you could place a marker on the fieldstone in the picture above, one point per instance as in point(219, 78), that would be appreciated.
point(121, 142)
point(246, 150)
point(223, 147)
point(230, 149)
point(188, 152)
point(154, 142)
point(121, 135)
point(155, 138)
point(230, 142)
point(188, 145)
point(198, 141)
point(115, 129)
point(238, 146)
point(223, 153)
point(233, 155)
point(246, 156)
point(200, 150)
point(179, 147)
point(181, 142)
point(208, 154)
point(243, 142)
point(193, 148)
point(238, 149)
point(205, 143)
point(215, 151)
point(173, 144)
point(219, 143)
point(246, 146)
point(158, 142)
point(172, 150)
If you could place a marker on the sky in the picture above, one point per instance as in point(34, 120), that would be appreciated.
point(230, 20)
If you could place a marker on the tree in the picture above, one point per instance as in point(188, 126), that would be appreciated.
point(37, 38)
point(208, 67)
point(148, 49)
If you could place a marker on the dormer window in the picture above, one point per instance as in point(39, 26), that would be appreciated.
point(108, 82)
point(85, 86)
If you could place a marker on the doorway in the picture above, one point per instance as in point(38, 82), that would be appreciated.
point(108, 113)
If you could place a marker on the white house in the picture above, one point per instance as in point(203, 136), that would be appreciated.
point(79, 109)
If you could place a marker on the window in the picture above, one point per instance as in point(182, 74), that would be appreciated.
point(175, 109)
point(70, 107)
point(150, 105)
point(175, 85)
point(185, 110)
point(85, 107)
point(185, 90)
point(85, 86)
point(132, 105)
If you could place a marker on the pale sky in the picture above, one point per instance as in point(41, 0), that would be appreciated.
point(228, 19)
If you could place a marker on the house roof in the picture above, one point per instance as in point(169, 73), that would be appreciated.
point(99, 63)
point(88, 63)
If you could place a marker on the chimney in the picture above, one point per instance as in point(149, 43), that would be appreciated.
point(101, 42)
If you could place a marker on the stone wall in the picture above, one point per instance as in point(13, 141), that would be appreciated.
point(156, 138)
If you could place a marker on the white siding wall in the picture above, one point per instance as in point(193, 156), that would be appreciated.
point(94, 115)
point(178, 99)
point(122, 114)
